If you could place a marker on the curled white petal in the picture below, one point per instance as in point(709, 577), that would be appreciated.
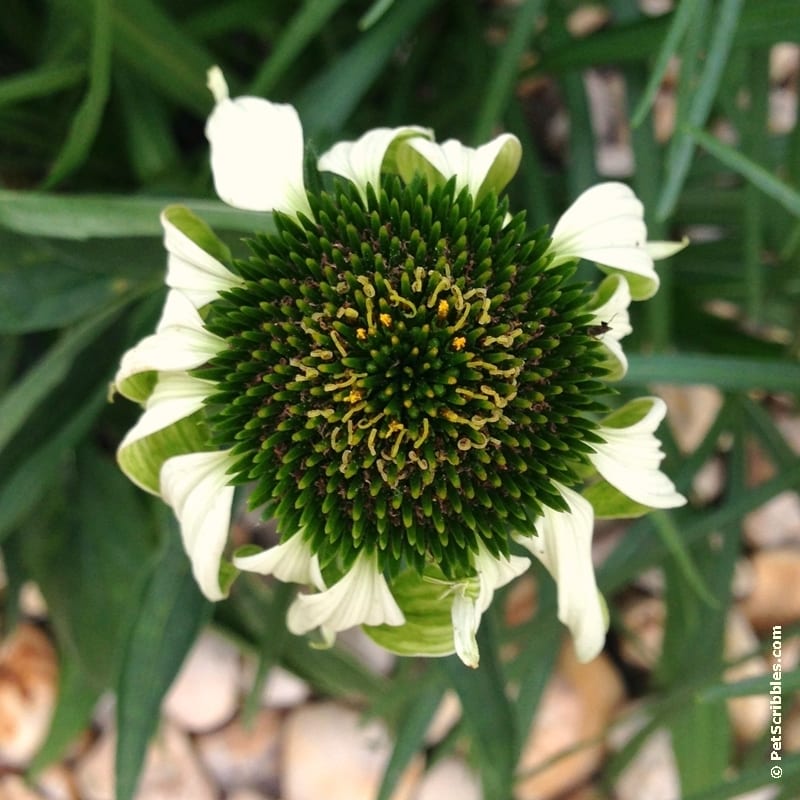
point(606, 225)
point(480, 169)
point(290, 562)
point(471, 600)
point(361, 161)
point(180, 343)
point(360, 597)
point(196, 486)
point(466, 619)
point(175, 396)
point(256, 152)
point(564, 545)
point(197, 274)
point(610, 316)
point(630, 457)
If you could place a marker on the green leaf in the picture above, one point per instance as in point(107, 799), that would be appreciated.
point(773, 187)
point(506, 72)
point(311, 18)
point(86, 122)
point(349, 77)
point(20, 401)
point(39, 82)
point(487, 713)
point(92, 568)
point(169, 617)
point(726, 18)
point(85, 216)
point(410, 735)
point(679, 24)
point(728, 373)
point(77, 698)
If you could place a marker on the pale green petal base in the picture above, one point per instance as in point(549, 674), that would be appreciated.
point(428, 629)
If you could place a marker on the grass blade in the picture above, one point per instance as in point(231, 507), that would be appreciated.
point(725, 22)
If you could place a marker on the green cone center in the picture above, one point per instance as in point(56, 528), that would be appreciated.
point(405, 374)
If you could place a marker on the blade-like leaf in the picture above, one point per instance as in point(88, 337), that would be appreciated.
point(170, 616)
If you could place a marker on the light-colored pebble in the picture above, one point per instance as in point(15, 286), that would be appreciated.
point(447, 715)
point(371, 655)
point(28, 681)
point(240, 755)
point(330, 752)
point(749, 714)
point(171, 771)
point(449, 778)
point(247, 794)
point(282, 689)
point(652, 773)
point(14, 787)
point(691, 410)
point(642, 631)
point(775, 595)
point(576, 708)
point(205, 694)
point(709, 481)
point(776, 523)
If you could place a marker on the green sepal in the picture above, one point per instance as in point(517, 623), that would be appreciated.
point(610, 503)
point(142, 459)
point(428, 630)
point(138, 387)
point(629, 414)
point(199, 232)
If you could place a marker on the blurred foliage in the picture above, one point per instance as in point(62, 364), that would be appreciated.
point(102, 107)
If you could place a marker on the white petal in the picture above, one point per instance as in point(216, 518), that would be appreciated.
point(496, 572)
point(606, 225)
point(196, 486)
point(481, 170)
point(175, 396)
point(466, 619)
point(471, 600)
point(362, 161)
point(610, 309)
point(630, 457)
point(360, 597)
point(564, 545)
point(256, 152)
point(179, 344)
point(290, 562)
point(196, 273)
point(659, 250)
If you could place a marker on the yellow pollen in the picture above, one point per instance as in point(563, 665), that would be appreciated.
point(354, 396)
point(386, 320)
point(395, 425)
point(443, 309)
point(361, 334)
point(459, 343)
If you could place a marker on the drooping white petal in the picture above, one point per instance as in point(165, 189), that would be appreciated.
point(609, 309)
point(472, 597)
point(360, 597)
point(363, 160)
point(256, 151)
point(180, 343)
point(290, 562)
point(196, 486)
point(196, 273)
point(466, 619)
point(630, 456)
point(481, 170)
point(606, 225)
point(175, 396)
point(564, 545)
